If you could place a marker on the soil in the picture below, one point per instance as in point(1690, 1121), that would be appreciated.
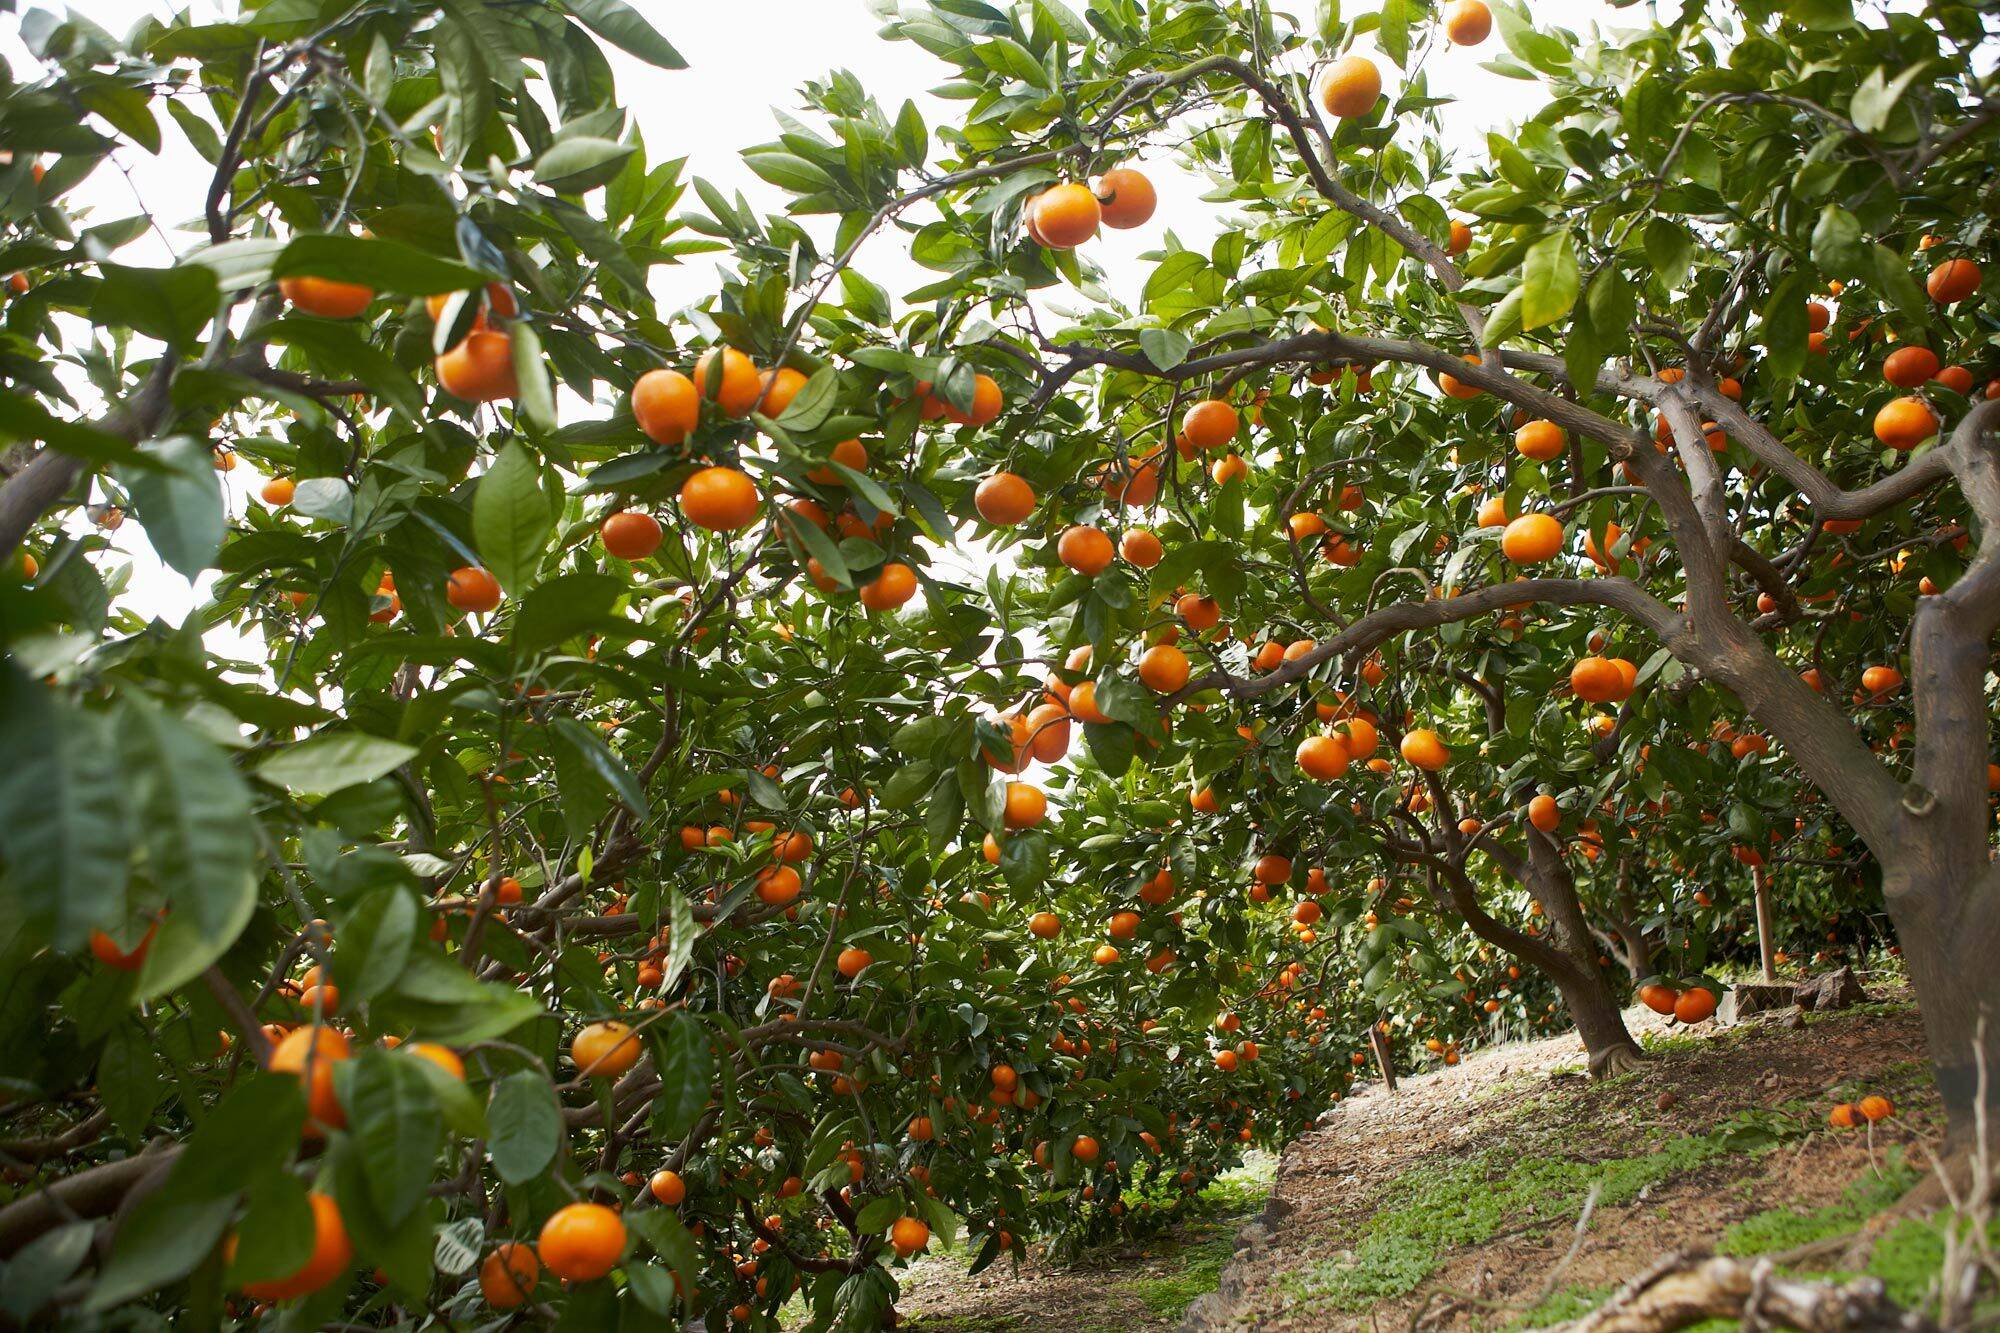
point(1455, 1202)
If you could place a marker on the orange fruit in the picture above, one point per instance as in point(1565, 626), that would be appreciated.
point(498, 297)
point(894, 584)
point(509, 1275)
point(1598, 680)
point(852, 961)
point(1544, 813)
point(1953, 280)
point(1422, 749)
point(630, 535)
point(1881, 681)
point(1125, 198)
point(728, 379)
point(1350, 87)
point(778, 886)
point(278, 492)
point(721, 499)
point(340, 300)
point(849, 454)
point(909, 1235)
point(1905, 423)
point(1163, 668)
point(332, 1253)
point(1048, 732)
point(1084, 1149)
point(311, 1052)
point(1083, 703)
point(471, 588)
point(1025, 805)
point(667, 1187)
point(1956, 378)
point(1908, 367)
point(1225, 1060)
point(1360, 736)
point(480, 369)
point(779, 387)
point(1467, 22)
point(1493, 512)
point(1539, 440)
point(1271, 869)
point(1085, 550)
point(986, 403)
point(1199, 612)
point(1875, 1107)
point(1696, 1005)
point(1003, 499)
point(1323, 758)
point(1065, 216)
point(1531, 539)
point(605, 1050)
point(1141, 548)
point(666, 406)
point(1459, 239)
point(106, 950)
point(1209, 424)
point(1659, 998)
point(582, 1241)
point(1045, 925)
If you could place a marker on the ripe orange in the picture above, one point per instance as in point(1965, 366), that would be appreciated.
point(1905, 423)
point(1881, 681)
point(1460, 236)
point(1844, 1116)
point(1493, 512)
point(778, 886)
point(344, 300)
point(1084, 1149)
point(666, 406)
point(1908, 367)
point(1065, 216)
point(106, 950)
point(630, 534)
point(1539, 440)
point(1956, 378)
point(278, 492)
point(1225, 1060)
point(894, 584)
point(1163, 668)
point(605, 1050)
point(582, 1241)
point(1141, 548)
point(779, 387)
point(1209, 424)
point(471, 588)
point(480, 369)
point(1531, 539)
point(1453, 387)
point(311, 1052)
point(498, 297)
point(1360, 736)
point(1086, 550)
point(1122, 925)
point(331, 1255)
point(1350, 87)
point(728, 379)
point(667, 1187)
point(721, 499)
point(1322, 758)
point(1659, 998)
point(1048, 732)
point(986, 403)
point(1272, 869)
point(1026, 806)
point(1045, 925)
point(1696, 1005)
point(1126, 198)
point(1467, 22)
point(1199, 612)
point(1083, 703)
point(509, 1275)
point(852, 961)
point(1105, 955)
point(1422, 749)
point(1953, 280)
point(1544, 813)
point(1003, 499)
point(1598, 680)
point(909, 1235)
point(1875, 1107)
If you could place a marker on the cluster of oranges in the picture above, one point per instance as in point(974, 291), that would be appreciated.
point(1064, 216)
point(1853, 1115)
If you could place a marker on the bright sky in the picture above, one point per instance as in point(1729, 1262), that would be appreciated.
point(721, 105)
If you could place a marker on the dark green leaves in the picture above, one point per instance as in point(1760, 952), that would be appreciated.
point(171, 304)
point(572, 166)
point(179, 502)
point(396, 1124)
point(334, 759)
point(523, 1126)
point(385, 266)
point(1549, 280)
point(375, 942)
point(512, 517)
point(686, 1071)
point(621, 25)
point(1837, 246)
point(1784, 333)
point(62, 813)
point(193, 817)
point(564, 607)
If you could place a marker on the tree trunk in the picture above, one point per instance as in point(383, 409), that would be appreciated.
point(1762, 889)
point(1949, 928)
point(1601, 1023)
point(1599, 1018)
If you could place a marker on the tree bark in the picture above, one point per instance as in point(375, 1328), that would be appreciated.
point(1948, 924)
point(1762, 890)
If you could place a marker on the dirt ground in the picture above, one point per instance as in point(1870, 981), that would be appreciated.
point(1456, 1202)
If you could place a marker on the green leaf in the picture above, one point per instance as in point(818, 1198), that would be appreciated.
point(572, 166)
point(1394, 31)
point(375, 940)
point(523, 1126)
point(1549, 280)
point(395, 1121)
point(171, 304)
point(1892, 272)
point(128, 1078)
point(1836, 242)
point(1784, 326)
point(440, 1001)
point(564, 607)
point(179, 502)
point(195, 819)
point(38, 1269)
point(276, 1236)
point(681, 931)
point(1165, 348)
point(339, 345)
point(62, 813)
point(687, 1070)
point(384, 266)
point(608, 771)
point(789, 172)
point(512, 517)
point(333, 760)
point(621, 25)
point(534, 398)
point(128, 109)
point(1670, 248)
point(1874, 101)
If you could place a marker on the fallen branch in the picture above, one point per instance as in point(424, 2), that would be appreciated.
point(1682, 1290)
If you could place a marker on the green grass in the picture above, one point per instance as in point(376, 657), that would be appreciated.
point(1779, 1229)
point(1200, 1271)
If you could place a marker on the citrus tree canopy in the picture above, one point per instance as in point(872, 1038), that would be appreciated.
point(665, 813)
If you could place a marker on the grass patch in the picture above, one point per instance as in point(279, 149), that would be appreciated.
point(1200, 1271)
point(1778, 1229)
point(1430, 1213)
point(1559, 1307)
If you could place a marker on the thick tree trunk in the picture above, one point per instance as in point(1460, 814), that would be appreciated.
point(1601, 1023)
point(1949, 927)
point(1586, 991)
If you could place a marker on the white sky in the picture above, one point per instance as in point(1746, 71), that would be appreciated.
point(744, 57)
